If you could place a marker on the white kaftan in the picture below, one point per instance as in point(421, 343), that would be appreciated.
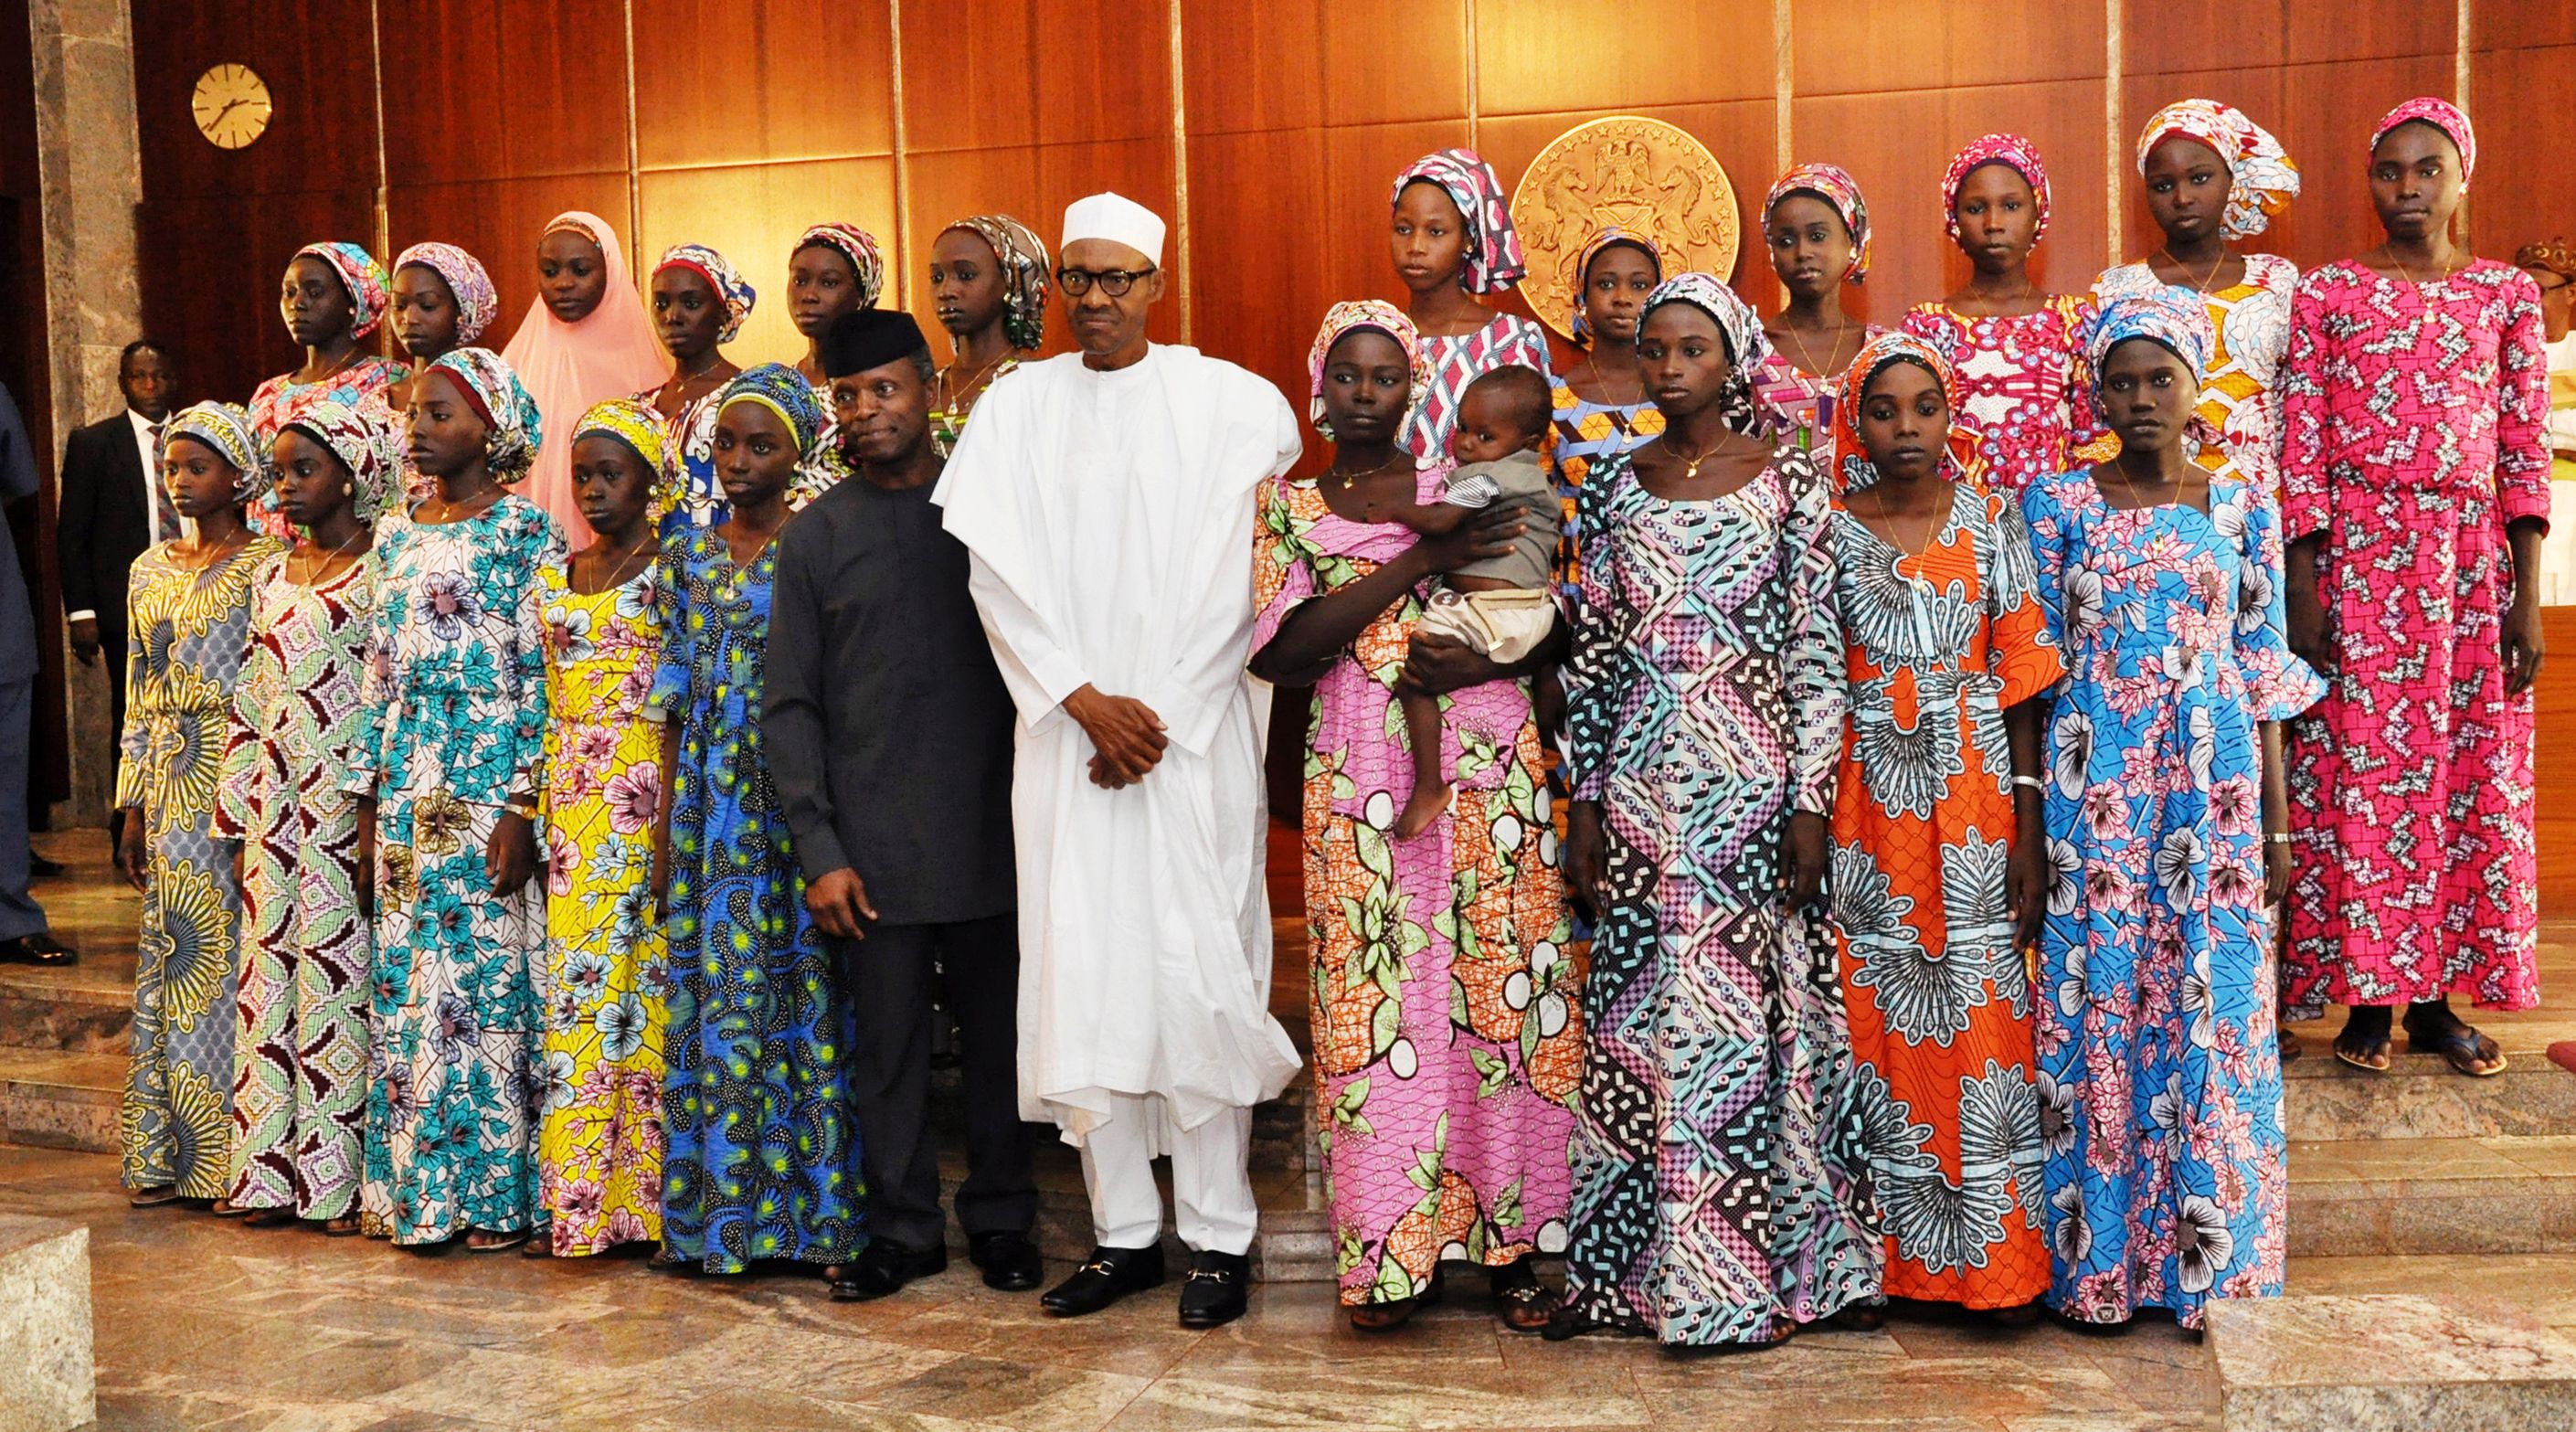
point(1110, 517)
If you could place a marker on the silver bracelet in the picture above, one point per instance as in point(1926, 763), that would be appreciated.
point(2277, 837)
point(2034, 782)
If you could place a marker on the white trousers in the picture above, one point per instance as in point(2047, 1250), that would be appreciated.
point(1211, 1187)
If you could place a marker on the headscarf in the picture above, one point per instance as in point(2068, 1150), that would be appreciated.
point(1492, 259)
point(1836, 186)
point(2557, 255)
point(1746, 345)
point(783, 391)
point(502, 402)
point(1852, 470)
point(2171, 317)
point(2262, 179)
point(363, 439)
point(2009, 149)
point(736, 295)
point(633, 421)
point(610, 352)
point(476, 302)
point(2442, 115)
point(1592, 247)
point(224, 428)
point(1024, 274)
point(370, 291)
point(1344, 318)
point(855, 243)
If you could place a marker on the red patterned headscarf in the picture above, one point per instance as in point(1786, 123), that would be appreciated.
point(1592, 247)
point(1852, 470)
point(2009, 149)
point(1835, 186)
point(2442, 115)
point(1345, 318)
point(1493, 257)
point(2261, 179)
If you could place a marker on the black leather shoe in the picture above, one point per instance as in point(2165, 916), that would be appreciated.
point(43, 869)
point(1217, 1289)
point(1106, 1276)
point(883, 1268)
point(1009, 1260)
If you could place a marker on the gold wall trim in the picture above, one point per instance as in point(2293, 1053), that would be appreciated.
point(903, 265)
point(1784, 85)
point(634, 161)
point(1467, 34)
point(1180, 176)
point(2113, 59)
point(376, 93)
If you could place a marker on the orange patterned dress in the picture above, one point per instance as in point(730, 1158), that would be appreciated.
point(1446, 1000)
point(1939, 647)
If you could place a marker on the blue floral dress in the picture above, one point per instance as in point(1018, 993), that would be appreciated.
point(763, 1157)
point(455, 707)
point(2160, 1084)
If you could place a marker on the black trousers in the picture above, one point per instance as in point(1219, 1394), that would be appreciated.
point(890, 978)
point(111, 648)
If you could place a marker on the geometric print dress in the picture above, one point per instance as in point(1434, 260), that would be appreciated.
point(1721, 1179)
point(1942, 644)
point(184, 649)
point(456, 715)
point(300, 1067)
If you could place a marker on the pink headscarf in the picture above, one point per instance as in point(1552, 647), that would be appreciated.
point(2442, 115)
point(2011, 150)
point(566, 367)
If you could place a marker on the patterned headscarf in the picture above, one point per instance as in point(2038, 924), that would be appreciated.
point(1839, 189)
point(783, 391)
point(859, 246)
point(1746, 345)
point(2557, 255)
point(736, 295)
point(370, 290)
point(2009, 149)
point(1493, 259)
point(1025, 274)
point(2262, 179)
point(364, 441)
point(2442, 115)
point(633, 421)
point(476, 302)
point(502, 402)
point(1852, 470)
point(1344, 318)
point(1592, 247)
point(225, 429)
point(2173, 318)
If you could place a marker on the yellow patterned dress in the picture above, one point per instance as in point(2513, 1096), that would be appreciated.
point(184, 649)
point(606, 972)
point(2251, 320)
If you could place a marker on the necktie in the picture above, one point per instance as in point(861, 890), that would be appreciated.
point(165, 518)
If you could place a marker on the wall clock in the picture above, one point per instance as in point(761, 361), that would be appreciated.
point(231, 105)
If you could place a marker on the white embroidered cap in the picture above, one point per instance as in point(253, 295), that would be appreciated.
point(1117, 218)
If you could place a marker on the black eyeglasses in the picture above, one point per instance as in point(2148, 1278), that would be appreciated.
point(1113, 282)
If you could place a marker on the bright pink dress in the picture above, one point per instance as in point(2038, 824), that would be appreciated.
point(2024, 386)
point(2413, 433)
point(1448, 1010)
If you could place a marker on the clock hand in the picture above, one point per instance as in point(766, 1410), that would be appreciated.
point(229, 106)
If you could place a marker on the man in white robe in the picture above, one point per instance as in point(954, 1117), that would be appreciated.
point(1107, 497)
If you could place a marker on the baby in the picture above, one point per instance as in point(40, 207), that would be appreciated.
point(1502, 607)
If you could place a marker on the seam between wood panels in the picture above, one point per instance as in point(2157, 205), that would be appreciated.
point(2114, 61)
point(902, 161)
point(1180, 175)
point(634, 159)
point(376, 92)
point(1784, 85)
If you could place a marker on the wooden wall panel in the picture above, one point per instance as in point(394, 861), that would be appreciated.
point(314, 55)
point(498, 221)
point(1842, 48)
point(794, 80)
point(224, 260)
point(2189, 34)
point(1318, 64)
point(1001, 73)
point(1537, 56)
point(476, 89)
point(752, 214)
point(1897, 146)
point(2554, 764)
point(2526, 182)
point(2516, 24)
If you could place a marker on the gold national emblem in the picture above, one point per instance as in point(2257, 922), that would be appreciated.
point(1627, 172)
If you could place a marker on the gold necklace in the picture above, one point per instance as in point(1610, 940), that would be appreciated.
point(1808, 357)
point(2389, 252)
point(2204, 284)
point(1601, 385)
point(1931, 524)
point(1348, 478)
point(208, 556)
point(948, 391)
point(1690, 465)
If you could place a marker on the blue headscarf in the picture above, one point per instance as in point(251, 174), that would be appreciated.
point(783, 391)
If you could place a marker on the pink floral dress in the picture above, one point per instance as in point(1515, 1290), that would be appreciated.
point(2025, 386)
point(2413, 421)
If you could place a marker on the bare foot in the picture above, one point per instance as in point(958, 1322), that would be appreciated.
point(1420, 809)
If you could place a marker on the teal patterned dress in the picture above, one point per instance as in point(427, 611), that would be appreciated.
point(455, 704)
point(763, 1158)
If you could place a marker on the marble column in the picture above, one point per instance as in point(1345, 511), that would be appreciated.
point(90, 159)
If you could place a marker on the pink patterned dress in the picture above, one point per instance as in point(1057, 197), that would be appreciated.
point(277, 402)
point(1801, 402)
point(2413, 420)
point(2024, 385)
point(1447, 1007)
point(1457, 362)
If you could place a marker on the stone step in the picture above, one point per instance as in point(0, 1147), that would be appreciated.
point(48, 1376)
point(55, 1098)
point(2500, 1195)
point(2421, 1097)
point(84, 1008)
point(2387, 1361)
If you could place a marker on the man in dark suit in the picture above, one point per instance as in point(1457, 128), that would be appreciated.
point(24, 934)
point(113, 507)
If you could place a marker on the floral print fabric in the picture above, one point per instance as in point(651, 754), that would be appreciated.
point(1448, 1035)
point(2239, 389)
point(1939, 646)
point(2160, 1077)
point(763, 1157)
point(1721, 1184)
point(456, 716)
point(301, 1052)
point(2414, 419)
point(605, 974)
point(183, 653)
